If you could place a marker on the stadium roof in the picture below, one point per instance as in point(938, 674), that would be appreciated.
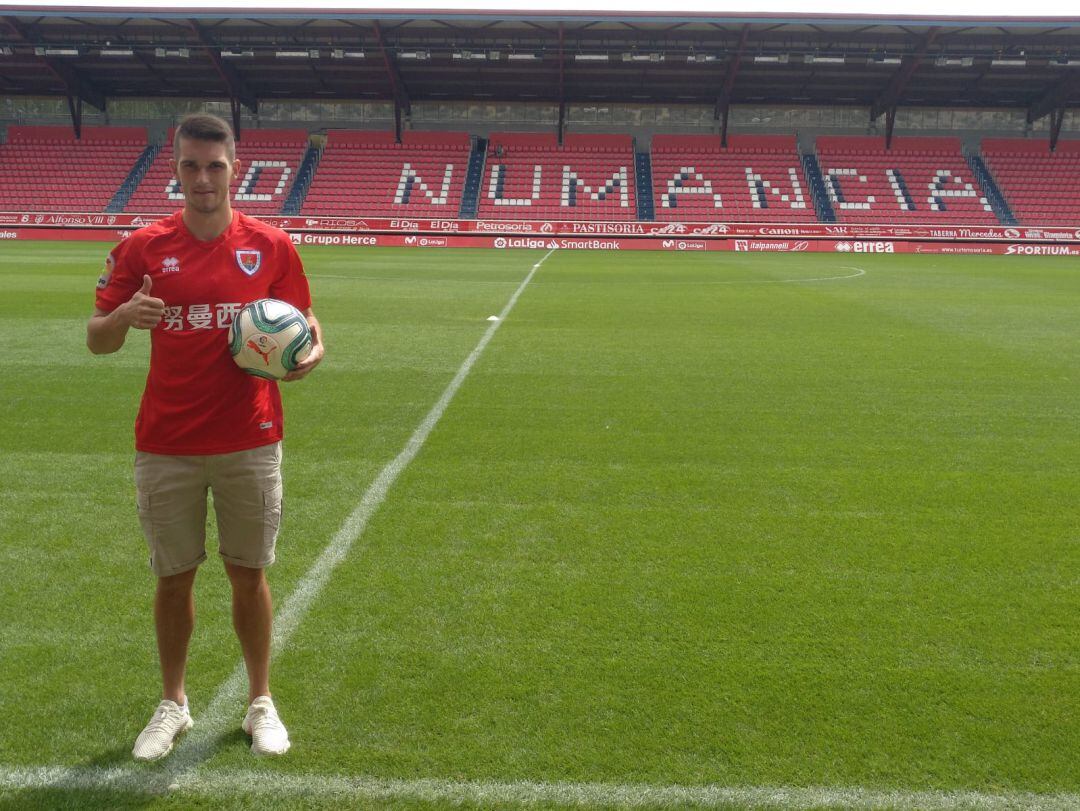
point(874, 61)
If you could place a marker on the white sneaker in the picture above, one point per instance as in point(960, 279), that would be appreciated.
point(169, 721)
point(268, 734)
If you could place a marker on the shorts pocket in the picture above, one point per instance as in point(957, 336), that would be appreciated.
point(271, 514)
point(146, 516)
point(146, 520)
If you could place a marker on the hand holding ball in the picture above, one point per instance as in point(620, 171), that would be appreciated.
point(269, 338)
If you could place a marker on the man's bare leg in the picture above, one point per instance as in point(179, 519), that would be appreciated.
point(253, 616)
point(174, 621)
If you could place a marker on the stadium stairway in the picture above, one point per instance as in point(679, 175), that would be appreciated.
point(304, 175)
point(132, 181)
point(474, 176)
point(990, 188)
point(643, 174)
point(822, 205)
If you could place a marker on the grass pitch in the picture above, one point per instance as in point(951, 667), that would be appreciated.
point(696, 520)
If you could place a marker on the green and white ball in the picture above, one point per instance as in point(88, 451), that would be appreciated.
point(269, 338)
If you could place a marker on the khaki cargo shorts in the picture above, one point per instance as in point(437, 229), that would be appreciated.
point(171, 495)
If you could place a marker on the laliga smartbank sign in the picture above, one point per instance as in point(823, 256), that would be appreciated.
point(539, 243)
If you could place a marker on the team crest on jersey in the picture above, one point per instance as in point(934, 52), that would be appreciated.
point(249, 261)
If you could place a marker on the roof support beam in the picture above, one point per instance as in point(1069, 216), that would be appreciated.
point(238, 90)
point(1057, 117)
point(1054, 98)
point(899, 82)
point(402, 105)
point(234, 107)
point(723, 101)
point(890, 123)
point(74, 85)
point(75, 108)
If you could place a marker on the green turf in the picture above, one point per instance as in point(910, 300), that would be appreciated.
point(690, 520)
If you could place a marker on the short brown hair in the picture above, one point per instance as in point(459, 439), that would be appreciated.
point(205, 127)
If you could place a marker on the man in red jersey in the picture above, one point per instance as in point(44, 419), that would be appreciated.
point(203, 423)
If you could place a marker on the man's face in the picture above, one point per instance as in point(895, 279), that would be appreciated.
point(205, 172)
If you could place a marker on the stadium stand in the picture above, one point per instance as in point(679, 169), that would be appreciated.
point(529, 176)
point(755, 179)
point(1038, 184)
point(269, 163)
point(47, 169)
point(368, 174)
point(919, 180)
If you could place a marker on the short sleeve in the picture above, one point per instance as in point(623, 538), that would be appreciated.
point(121, 277)
point(291, 284)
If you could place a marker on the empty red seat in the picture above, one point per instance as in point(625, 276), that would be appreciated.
point(1036, 183)
point(48, 169)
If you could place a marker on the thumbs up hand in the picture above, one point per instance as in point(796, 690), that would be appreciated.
point(143, 311)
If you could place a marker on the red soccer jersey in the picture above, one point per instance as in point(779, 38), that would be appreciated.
point(197, 400)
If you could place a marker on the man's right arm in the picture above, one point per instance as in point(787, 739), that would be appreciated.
point(106, 332)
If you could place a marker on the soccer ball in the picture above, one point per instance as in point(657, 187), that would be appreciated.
point(269, 338)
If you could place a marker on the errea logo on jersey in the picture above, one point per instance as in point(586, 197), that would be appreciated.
point(170, 264)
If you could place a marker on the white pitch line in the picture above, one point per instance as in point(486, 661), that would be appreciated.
point(858, 272)
point(78, 778)
point(199, 744)
point(245, 783)
point(633, 795)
